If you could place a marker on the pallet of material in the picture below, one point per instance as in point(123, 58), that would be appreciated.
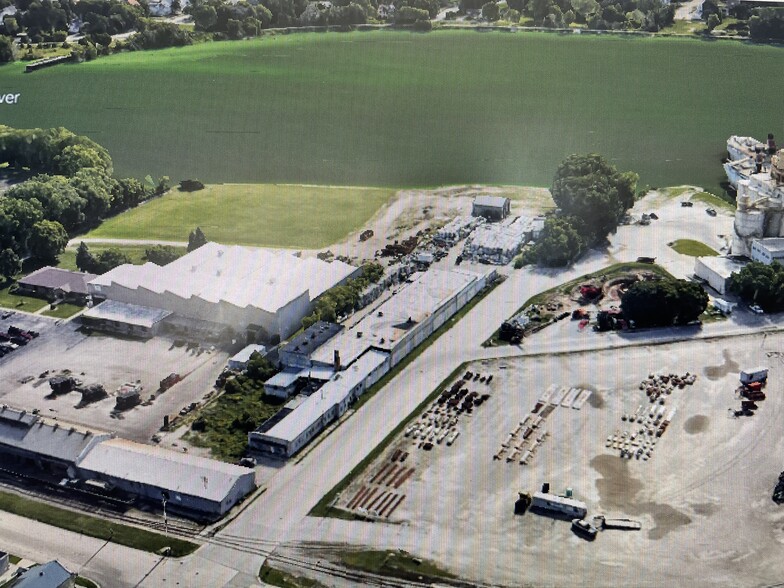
point(626, 524)
point(581, 399)
point(380, 472)
point(545, 397)
point(353, 502)
point(559, 396)
point(377, 500)
point(525, 457)
point(390, 474)
point(386, 502)
point(366, 499)
point(396, 504)
point(570, 397)
point(404, 477)
point(547, 410)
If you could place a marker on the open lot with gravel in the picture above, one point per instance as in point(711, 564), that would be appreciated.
point(703, 497)
point(110, 361)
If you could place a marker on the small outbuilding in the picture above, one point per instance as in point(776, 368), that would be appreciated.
point(241, 359)
point(491, 207)
point(716, 271)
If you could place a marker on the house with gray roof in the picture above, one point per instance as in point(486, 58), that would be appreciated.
point(54, 283)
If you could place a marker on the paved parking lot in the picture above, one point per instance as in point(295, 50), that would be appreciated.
point(106, 360)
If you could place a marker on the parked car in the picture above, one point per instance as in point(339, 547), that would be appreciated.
point(756, 309)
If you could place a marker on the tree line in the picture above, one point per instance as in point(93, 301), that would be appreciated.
point(342, 299)
point(73, 189)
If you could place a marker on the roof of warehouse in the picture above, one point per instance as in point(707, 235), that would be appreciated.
point(330, 394)
point(45, 437)
point(501, 236)
point(312, 337)
point(131, 314)
point(54, 278)
point(389, 323)
point(157, 467)
point(491, 201)
point(242, 276)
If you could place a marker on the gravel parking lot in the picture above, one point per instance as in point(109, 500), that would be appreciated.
point(106, 360)
point(703, 497)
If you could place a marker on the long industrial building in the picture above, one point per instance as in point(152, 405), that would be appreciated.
point(257, 291)
point(362, 355)
point(195, 485)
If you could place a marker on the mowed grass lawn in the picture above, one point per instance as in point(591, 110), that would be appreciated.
point(403, 109)
point(251, 214)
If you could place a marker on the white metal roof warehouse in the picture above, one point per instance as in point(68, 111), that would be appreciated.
point(192, 482)
point(240, 287)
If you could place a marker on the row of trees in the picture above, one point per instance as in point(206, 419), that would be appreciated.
point(592, 197)
point(110, 258)
point(342, 299)
point(50, 20)
point(76, 191)
point(645, 15)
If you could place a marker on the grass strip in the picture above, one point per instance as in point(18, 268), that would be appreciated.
point(713, 200)
point(398, 564)
point(693, 248)
point(276, 577)
point(93, 527)
point(63, 311)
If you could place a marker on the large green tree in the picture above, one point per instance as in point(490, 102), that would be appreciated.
point(761, 284)
point(161, 254)
point(47, 240)
point(6, 49)
point(559, 244)
point(10, 264)
point(664, 302)
point(591, 189)
point(196, 239)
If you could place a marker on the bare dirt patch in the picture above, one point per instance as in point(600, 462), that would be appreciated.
point(412, 211)
point(696, 424)
point(716, 372)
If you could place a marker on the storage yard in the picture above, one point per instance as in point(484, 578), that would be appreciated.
point(710, 476)
point(110, 362)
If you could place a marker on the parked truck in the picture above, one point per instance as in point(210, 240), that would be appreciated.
point(757, 374)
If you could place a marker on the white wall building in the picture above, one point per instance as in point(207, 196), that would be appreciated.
point(311, 416)
point(716, 271)
point(267, 292)
point(767, 250)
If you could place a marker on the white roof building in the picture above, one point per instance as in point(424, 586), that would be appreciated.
point(310, 416)
point(228, 284)
point(192, 482)
point(405, 319)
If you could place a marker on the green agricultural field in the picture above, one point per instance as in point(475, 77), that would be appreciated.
point(404, 109)
point(251, 214)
